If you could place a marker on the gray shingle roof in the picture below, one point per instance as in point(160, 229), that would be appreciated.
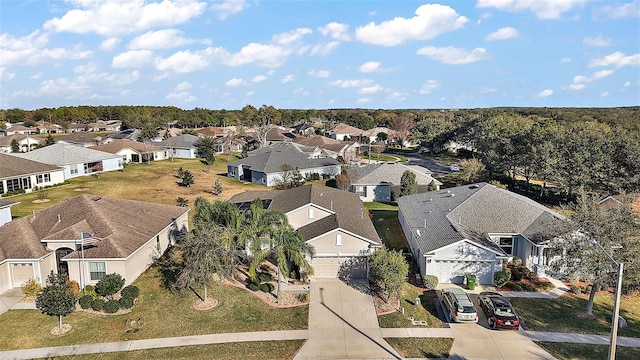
point(65, 154)
point(11, 165)
point(185, 141)
point(473, 212)
point(388, 173)
point(270, 159)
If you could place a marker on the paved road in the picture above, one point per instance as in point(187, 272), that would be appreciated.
point(436, 169)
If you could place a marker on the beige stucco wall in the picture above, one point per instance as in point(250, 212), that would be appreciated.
point(326, 244)
point(46, 265)
point(300, 217)
point(5, 277)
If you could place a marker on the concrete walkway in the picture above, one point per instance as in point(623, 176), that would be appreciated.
point(11, 300)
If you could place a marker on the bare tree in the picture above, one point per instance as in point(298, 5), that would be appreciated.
point(402, 126)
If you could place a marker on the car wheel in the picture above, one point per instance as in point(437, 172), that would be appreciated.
point(490, 321)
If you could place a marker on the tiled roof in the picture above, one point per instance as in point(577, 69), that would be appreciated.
point(390, 174)
point(270, 159)
point(66, 154)
point(11, 166)
point(124, 226)
point(117, 145)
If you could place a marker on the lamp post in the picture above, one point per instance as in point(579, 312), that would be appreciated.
point(616, 302)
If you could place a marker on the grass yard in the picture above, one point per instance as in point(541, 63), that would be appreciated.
point(388, 227)
point(166, 315)
point(564, 351)
point(155, 182)
point(563, 314)
point(422, 347)
point(385, 157)
point(267, 350)
point(425, 311)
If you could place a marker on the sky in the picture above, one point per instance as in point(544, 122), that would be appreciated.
point(320, 54)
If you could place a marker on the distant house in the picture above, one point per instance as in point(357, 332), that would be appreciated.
point(21, 129)
point(372, 134)
point(17, 173)
point(49, 128)
point(25, 142)
point(5, 211)
point(81, 139)
point(131, 234)
point(275, 135)
point(181, 146)
point(266, 166)
point(133, 151)
point(347, 150)
point(75, 160)
point(473, 229)
point(343, 131)
point(382, 182)
point(304, 129)
point(332, 220)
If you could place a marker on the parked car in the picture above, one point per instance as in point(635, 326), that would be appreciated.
point(499, 311)
point(459, 305)
point(454, 167)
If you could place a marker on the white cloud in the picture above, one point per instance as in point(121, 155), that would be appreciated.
point(620, 10)
point(544, 9)
point(5, 75)
point(110, 44)
point(36, 76)
point(370, 89)
point(502, 34)
point(301, 91)
point(604, 94)
point(291, 37)
point(616, 59)
point(369, 66)
point(576, 86)
point(258, 78)
point(260, 54)
point(235, 82)
point(31, 50)
point(579, 81)
point(351, 83)
point(287, 79)
point(112, 17)
point(186, 61)
point(363, 100)
point(320, 73)
point(336, 30)
point(565, 60)
point(452, 55)
point(250, 93)
point(545, 93)
point(398, 96)
point(182, 96)
point(429, 86)
point(627, 84)
point(324, 49)
point(183, 86)
point(229, 7)
point(430, 21)
point(160, 39)
point(132, 59)
point(597, 41)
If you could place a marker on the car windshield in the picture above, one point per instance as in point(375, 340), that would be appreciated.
point(504, 312)
point(468, 309)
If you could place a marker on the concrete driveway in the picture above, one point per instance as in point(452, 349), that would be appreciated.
point(343, 323)
point(9, 299)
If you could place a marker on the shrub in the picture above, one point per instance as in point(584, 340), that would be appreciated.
point(130, 291)
point(545, 285)
point(501, 277)
point(89, 290)
point(266, 287)
point(430, 281)
point(111, 306)
point(525, 271)
point(85, 301)
point(304, 297)
point(516, 275)
point(573, 278)
point(74, 287)
point(527, 287)
point(97, 304)
point(253, 287)
point(516, 262)
point(533, 276)
point(126, 302)
point(575, 289)
point(264, 277)
point(513, 286)
point(109, 285)
point(31, 287)
point(294, 275)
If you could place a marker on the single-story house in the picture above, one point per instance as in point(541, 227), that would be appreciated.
point(266, 166)
point(76, 160)
point(5, 211)
point(128, 237)
point(17, 173)
point(382, 182)
point(25, 143)
point(348, 150)
point(473, 229)
point(342, 131)
point(277, 134)
point(333, 221)
point(181, 146)
point(81, 139)
point(133, 151)
point(20, 129)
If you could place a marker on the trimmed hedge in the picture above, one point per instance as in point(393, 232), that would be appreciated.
point(126, 302)
point(501, 277)
point(97, 304)
point(111, 306)
point(431, 281)
point(130, 291)
point(253, 287)
point(85, 301)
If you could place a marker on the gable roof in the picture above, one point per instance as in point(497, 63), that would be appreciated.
point(390, 173)
point(473, 212)
point(81, 138)
point(342, 128)
point(5, 141)
point(11, 165)
point(348, 210)
point(184, 141)
point(65, 154)
point(125, 225)
point(324, 142)
point(270, 159)
point(117, 145)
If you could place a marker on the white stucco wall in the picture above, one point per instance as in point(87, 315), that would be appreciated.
point(306, 215)
point(325, 245)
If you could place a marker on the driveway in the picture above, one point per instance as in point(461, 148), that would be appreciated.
point(434, 167)
point(343, 323)
point(9, 299)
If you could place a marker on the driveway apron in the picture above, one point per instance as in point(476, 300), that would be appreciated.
point(343, 323)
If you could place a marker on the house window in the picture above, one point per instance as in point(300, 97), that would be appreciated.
point(158, 242)
point(506, 244)
point(74, 169)
point(43, 178)
point(339, 240)
point(1, 187)
point(232, 171)
point(97, 270)
point(18, 183)
point(361, 191)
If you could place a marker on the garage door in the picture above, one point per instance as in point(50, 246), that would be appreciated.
point(453, 271)
point(354, 267)
point(21, 273)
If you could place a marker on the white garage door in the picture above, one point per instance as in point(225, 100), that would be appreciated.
point(21, 273)
point(453, 271)
point(354, 267)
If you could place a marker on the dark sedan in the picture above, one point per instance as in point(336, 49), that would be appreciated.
point(499, 311)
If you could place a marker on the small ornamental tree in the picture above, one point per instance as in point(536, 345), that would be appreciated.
point(388, 270)
point(187, 179)
point(180, 201)
point(408, 184)
point(109, 285)
point(217, 188)
point(15, 146)
point(57, 298)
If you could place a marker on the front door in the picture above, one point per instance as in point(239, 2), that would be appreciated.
point(63, 266)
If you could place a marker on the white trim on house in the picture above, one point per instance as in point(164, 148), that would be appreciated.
point(344, 231)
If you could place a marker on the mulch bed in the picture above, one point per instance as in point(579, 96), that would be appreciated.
point(288, 298)
point(205, 305)
point(59, 331)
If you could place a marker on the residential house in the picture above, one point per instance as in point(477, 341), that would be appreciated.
point(49, 128)
point(133, 151)
point(5, 211)
point(129, 236)
point(276, 134)
point(333, 221)
point(342, 131)
point(304, 129)
point(181, 146)
point(617, 201)
point(269, 165)
point(81, 139)
point(473, 229)
point(347, 150)
point(371, 135)
point(382, 182)
point(21, 129)
point(25, 142)
point(75, 160)
point(22, 174)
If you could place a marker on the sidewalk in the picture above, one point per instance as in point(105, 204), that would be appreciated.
point(580, 338)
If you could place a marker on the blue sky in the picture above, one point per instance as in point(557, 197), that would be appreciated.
point(320, 54)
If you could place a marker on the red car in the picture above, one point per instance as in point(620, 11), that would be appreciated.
point(499, 311)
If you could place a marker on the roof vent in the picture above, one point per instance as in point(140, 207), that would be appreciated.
point(452, 195)
point(59, 219)
point(474, 186)
point(418, 232)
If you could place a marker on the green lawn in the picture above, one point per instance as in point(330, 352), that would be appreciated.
point(389, 230)
point(564, 351)
point(563, 314)
point(425, 311)
point(268, 350)
point(444, 158)
point(167, 314)
point(422, 347)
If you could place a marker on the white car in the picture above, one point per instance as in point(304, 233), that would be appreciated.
point(459, 305)
point(454, 167)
